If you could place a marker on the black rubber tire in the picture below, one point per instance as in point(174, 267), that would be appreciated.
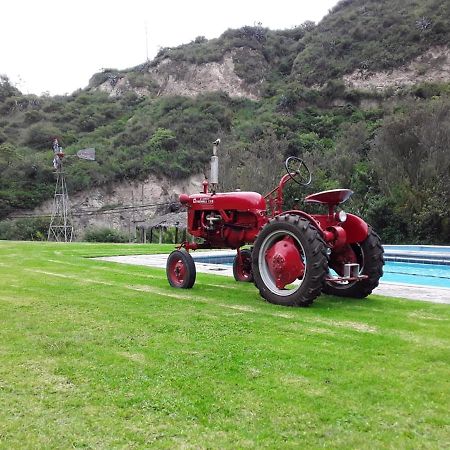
point(316, 266)
point(180, 269)
point(246, 277)
point(371, 260)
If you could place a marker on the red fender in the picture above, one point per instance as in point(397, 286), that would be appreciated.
point(357, 230)
point(306, 216)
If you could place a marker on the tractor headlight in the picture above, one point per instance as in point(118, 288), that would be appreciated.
point(342, 216)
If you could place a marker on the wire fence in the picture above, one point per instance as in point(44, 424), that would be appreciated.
point(96, 212)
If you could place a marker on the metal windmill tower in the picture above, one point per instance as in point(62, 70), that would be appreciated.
point(61, 224)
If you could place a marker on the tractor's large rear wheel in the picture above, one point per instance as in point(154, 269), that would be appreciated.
point(369, 255)
point(289, 261)
point(180, 269)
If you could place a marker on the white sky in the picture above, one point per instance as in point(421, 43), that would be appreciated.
point(55, 46)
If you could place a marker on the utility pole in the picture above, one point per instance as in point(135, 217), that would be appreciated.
point(146, 42)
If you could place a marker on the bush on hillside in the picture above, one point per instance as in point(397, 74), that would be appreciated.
point(32, 229)
point(105, 235)
point(41, 135)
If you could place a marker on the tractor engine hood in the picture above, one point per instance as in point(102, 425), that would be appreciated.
point(240, 201)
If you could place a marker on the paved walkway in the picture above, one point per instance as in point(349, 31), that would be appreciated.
point(408, 291)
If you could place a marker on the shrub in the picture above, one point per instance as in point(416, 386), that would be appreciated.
point(7, 89)
point(99, 78)
point(334, 89)
point(32, 229)
point(105, 235)
point(40, 136)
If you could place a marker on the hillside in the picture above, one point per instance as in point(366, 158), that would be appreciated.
point(371, 36)
point(363, 97)
point(363, 36)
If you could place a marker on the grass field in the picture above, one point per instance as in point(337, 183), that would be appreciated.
point(102, 355)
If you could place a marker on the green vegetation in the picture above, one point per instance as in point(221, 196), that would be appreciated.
point(371, 35)
point(96, 354)
point(346, 142)
point(28, 229)
point(411, 156)
point(257, 52)
point(105, 235)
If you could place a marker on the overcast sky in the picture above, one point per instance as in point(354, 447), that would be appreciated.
point(55, 46)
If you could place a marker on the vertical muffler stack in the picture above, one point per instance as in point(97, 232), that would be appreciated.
point(214, 176)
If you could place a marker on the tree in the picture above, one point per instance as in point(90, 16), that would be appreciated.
point(411, 158)
point(254, 166)
point(162, 139)
point(41, 135)
point(6, 88)
point(7, 154)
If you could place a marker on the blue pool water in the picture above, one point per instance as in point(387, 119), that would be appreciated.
point(426, 254)
point(435, 275)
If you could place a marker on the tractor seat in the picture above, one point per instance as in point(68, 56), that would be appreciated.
point(332, 197)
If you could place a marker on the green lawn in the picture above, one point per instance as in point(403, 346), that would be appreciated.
point(103, 355)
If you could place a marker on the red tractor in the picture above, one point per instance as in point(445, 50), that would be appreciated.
point(295, 255)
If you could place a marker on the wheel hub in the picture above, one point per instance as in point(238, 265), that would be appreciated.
point(179, 271)
point(284, 262)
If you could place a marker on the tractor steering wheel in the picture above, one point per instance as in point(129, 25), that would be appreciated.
point(296, 166)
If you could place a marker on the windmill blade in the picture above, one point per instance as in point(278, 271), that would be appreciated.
point(86, 153)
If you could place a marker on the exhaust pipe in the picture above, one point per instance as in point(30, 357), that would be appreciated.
point(214, 176)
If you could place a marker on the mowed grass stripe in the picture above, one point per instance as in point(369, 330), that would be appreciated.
point(136, 270)
point(189, 296)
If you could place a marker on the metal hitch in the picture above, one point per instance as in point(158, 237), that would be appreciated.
point(351, 273)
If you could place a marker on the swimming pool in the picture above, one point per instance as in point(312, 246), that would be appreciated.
point(412, 264)
point(425, 254)
point(423, 265)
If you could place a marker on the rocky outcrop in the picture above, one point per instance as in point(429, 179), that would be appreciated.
point(125, 205)
point(182, 78)
point(433, 66)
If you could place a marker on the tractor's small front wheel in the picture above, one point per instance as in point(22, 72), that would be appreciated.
point(289, 261)
point(242, 266)
point(180, 269)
